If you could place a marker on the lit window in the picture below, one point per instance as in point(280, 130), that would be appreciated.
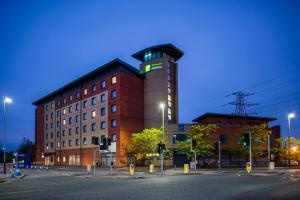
point(70, 109)
point(64, 122)
point(169, 98)
point(169, 111)
point(169, 90)
point(94, 113)
point(84, 128)
point(94, 101)
point(114, 80)
point(65, 100)
point(84, 141)
point(169, 117)
point(64, 159)
point(64, 111)
point(57, 159)
point(113, 94)
point(77, 118)
point(113, 108)
point(94, 88)
point(103, 84)
point(113, 137)
point(103, 97)
point(113, 123)
point(58, 144)
point(169, 104)
point(70, 131)
point(84, 104)
point(47, 147)
point(94, 127)
point(70, 98)
point(103, 111)
point(85, 91)
point(85, 116)
point(103, 125)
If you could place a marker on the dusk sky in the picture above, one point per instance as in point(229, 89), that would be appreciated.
point(253, 46)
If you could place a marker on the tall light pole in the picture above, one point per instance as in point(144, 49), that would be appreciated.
point(162, 106)
point(290, 116)
point(5, 101)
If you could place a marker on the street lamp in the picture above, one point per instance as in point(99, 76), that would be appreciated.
point(162, 106)
point(290, 116)
point(5, 101)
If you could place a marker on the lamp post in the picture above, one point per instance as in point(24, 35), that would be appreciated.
point(5, 101)
point(290, 116)
point(162, 106)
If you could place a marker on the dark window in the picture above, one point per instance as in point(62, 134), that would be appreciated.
point(70, 120)
point(70, 109)
point(84, 104)
point(77, 95)
point(179, 138)
point(113, 94)
point(103, 111)
point(77, 118)
point(224, 139)
point(94, 88)
point(113, 123)
point(70, 131)
point(77, 130)
point(63, 132)
point(103, 84)
point(103, 125)
point(113, 137)
point(85, 116)
point(94, 101)
point(94, 127)
point(77, 106)
point(181, 127)
point(113, 108)
point(84, 128)
point(103, 97)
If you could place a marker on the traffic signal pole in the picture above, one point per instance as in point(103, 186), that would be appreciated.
point(95, 160)
point(250, 149)
point(219, 154)
point(163, 135)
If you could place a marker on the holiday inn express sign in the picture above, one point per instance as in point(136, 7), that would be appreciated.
point(152, 67)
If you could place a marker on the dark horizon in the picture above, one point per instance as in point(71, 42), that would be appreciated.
point(232, 46)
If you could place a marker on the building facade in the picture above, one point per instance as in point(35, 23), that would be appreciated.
point(114, 101)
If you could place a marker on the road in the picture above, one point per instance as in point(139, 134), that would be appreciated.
point(201, 186)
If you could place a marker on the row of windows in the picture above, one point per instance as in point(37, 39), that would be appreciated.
point(169, 93)
point(149, 55)
point(77, 142)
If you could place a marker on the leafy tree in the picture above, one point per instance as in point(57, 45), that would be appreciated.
point(146, 141)
point(27, 146)
point(282, 149)
point(202, 134)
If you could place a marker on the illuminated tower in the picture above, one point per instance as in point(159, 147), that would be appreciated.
point(160, 84)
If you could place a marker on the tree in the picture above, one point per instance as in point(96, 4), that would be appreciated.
point(204, 143)
point(282, 149)
point(145, 142)
point(27, 146)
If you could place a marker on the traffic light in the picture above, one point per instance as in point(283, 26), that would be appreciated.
point(108, 141)
point(161, 147)
point(194, 143)
point(246, 139)
point(216, 147)
point(103, 144)
point(95, 140)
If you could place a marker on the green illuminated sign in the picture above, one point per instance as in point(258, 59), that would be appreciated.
point(152, 67)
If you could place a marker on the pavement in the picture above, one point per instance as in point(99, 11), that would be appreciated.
point(63, 183)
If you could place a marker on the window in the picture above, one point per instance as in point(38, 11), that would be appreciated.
point(77, 118)
point(46, 136)
point(77, 142)
point(103, 111)
point(93, 126)
point(114, 80)
point(70, 120)
point(85, 91)
point(65, 100)
point(57, 159)
point(57, 134)
point(103, 84)
point(85, 116)
point(63, 143)
point(64, 122)
point(58, 123)
point(103, 97)
point(51, 145)
point(58, 144)
point(93, 113)
point(84, 141)
point(64, 159)
point(70, 143)
point(224, 139)
point(113, 94)
point(46, 107)
point(70, 109)
point(51, 125)
point(179, 138)
point(64, 111)
point(94, 88)
point(84, 128)
point(94, 101)
point(113, 108)
point(46, 126)
point(77, 95)
point(113, 137)
point(70, 98)
point(113, 123)
point(70, 131)
point(51, 135)
point(103, 125)
point(46, 116)
point(169, 111)
point(58, 113)
point(47, 147)
point(84, 104)
point(77, 106)
point(52, 115)
point(58, 102)
point(64, 133)
point(77, 130)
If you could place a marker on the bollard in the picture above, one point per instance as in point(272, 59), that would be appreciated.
point(18, 172)
point(186, 168)
point(131, 169)
point(151, 168)
point(11, 173)
point(248, 167)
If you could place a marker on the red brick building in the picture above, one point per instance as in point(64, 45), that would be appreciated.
point(113, 101)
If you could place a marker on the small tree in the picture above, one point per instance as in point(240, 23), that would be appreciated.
point(203, 138)
point(145, 142)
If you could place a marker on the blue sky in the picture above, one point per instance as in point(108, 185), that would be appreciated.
point(229, 46)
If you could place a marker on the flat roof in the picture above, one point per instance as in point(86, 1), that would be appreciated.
point(170, 49)
point(113, 63)
point(231, 116)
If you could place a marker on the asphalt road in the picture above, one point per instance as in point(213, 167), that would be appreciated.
point(203, 186)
